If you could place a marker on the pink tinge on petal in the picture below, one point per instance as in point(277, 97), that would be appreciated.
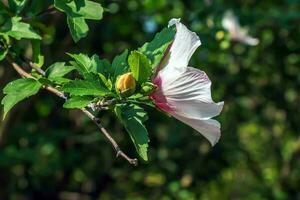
point(158, 96)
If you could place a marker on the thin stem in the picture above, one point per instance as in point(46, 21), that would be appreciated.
point(108, 136)
point(49, 10)
point(38, 69)
point(96, 120)
point(23, 73)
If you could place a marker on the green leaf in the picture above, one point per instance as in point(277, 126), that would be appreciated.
point(17, 6)
point(38, 58)
point(88, 65)
point(3, 53)
point(132, 117)
point(155, 49)
point(60, 80)
point(78, 102)
point(99, 66)
point(84, 87)
point(107, 82)
point(77, 11)
point(78, 27)
point(140, 66)
point(58, 69)
point(119, 66)
point(18, 90)
point(44, 81)
point(18, 30)
point(83, 8)
point(84, 65)
point(4, 45)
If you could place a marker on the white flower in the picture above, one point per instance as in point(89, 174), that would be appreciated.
point(184, 92)
point(237, 33)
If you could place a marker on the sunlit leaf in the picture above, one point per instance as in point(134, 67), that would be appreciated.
point(78, 102)
point(132, 117)
point(18, 30)
point(83, 8)
point(38, 58)
point(140, 66)
point(84, 87)
point(119, 65)
point(78, 27)
point(18, 90)
point(155, 49)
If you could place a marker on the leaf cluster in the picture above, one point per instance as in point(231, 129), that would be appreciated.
point(89, 81)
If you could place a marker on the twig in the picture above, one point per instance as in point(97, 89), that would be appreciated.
point(96, 120)
point(24, 74)
point(107, 135)
point(38, 69)
point(49, 10)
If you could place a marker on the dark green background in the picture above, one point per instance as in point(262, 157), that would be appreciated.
point(47, 152)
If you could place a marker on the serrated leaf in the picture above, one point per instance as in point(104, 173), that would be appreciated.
point(85, 88)
point(155, 49)
point(18, 30)
point(132, 117)
point(84, 8)
point(139, 66)
point(58, 70)
point(38, 58)
point(78, 27)
point(84, 65)
point(119, 66)
point(18, 90)
point(106, 82)
point(60, 80)
point(99, 66)
point(17, 6)
point(78, 102)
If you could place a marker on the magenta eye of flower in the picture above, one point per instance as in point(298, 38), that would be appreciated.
point(184, 92)
point(159, 98)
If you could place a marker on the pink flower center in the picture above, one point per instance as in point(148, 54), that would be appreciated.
point(158, 96)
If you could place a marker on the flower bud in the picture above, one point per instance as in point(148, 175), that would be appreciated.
point(125, 84)
point(147, 88)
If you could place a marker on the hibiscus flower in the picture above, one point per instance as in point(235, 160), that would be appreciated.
point(184, 92)
point(236, 32)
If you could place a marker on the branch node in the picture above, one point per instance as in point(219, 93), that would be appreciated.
point(134, 162)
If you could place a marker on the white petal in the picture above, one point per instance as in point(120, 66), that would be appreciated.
point(210, 128)
point(173, 22)
point(196, 109)
point(237, 33)
point(184, 45)
point(230, 23)
point(250, 40)
point(189, 95)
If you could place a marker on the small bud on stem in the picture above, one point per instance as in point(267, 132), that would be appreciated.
point(126, 84)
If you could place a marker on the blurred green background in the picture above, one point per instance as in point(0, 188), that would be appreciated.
point(47, 152)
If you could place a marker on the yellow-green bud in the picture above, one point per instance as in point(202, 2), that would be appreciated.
point(126, 84)
point(147, 88)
